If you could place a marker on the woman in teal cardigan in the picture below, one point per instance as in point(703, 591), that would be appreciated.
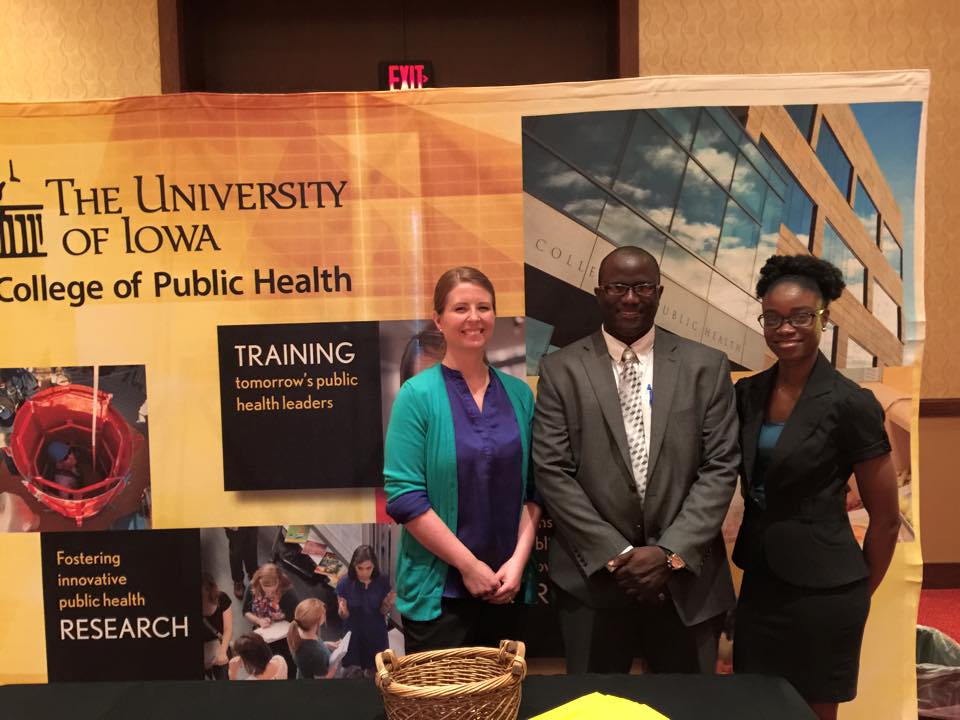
point(457, 477)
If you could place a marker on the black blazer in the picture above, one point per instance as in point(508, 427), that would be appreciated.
point(804, 535)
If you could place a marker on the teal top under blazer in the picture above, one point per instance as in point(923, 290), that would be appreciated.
point(420, 454)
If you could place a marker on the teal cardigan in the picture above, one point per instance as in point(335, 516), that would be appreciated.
point(420, 454)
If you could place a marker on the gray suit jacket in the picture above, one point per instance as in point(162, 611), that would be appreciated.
point(582, 467)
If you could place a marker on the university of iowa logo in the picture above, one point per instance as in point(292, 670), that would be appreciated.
point(21, 226)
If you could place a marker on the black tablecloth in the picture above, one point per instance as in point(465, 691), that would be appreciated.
point(679, 697)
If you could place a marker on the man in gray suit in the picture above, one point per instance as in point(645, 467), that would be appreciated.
point(637, 490)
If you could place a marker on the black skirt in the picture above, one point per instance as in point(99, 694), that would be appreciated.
point(809, 636)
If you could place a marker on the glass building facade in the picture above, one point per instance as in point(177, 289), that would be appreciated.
point(693, 188)
point(834, 160)
point(836, 251)
point(798, 207)
point(886, 310)
point(686, 184)
point(802, 116)
point(865, 209)
point(858, 356)
point(891, 249)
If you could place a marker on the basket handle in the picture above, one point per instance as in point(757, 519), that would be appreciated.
point(385, 661)
point(516, 650)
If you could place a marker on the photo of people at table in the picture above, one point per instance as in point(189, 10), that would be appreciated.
point(298, 601)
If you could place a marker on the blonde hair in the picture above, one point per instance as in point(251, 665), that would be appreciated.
point(310, 613)
point(271, 575)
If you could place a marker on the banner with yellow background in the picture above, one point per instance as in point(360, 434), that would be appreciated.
point(207, 300)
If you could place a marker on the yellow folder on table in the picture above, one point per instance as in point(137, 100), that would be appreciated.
point(598, 705)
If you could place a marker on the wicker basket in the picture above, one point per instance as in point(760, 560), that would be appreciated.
point(477, 683)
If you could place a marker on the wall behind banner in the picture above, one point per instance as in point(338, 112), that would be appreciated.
point(73, 49)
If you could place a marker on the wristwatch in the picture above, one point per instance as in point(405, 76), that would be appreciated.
point(674, 561)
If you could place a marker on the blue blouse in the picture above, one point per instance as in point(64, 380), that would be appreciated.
point(489, 476)
point(769, 435)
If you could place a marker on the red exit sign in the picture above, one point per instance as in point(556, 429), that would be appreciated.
point(406, 75)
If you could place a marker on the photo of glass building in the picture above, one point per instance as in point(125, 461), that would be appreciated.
point(711, 193)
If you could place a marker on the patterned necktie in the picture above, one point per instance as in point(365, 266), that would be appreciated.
point(631, 404)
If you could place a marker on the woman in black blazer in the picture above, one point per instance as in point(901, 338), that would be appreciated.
point(804, 428)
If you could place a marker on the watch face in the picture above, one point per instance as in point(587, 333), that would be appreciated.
point(676, 562)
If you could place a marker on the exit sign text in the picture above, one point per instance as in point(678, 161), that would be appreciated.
point(406, 75)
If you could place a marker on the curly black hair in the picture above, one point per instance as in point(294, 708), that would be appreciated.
point(812, 273)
